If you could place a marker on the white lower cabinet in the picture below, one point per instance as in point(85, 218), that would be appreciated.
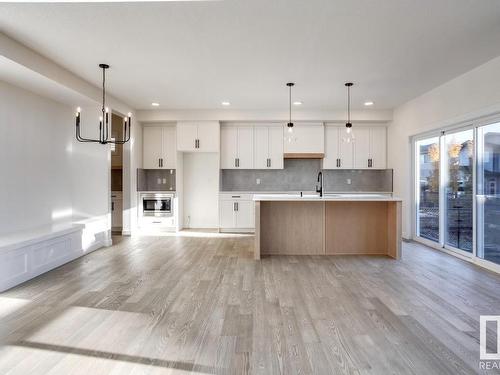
point(236, 212)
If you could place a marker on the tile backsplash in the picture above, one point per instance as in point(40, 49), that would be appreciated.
point(301, 175)
point(155, 179)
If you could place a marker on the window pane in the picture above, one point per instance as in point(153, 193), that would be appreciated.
point(428, 188)
point(488, 201)
point(458, 192)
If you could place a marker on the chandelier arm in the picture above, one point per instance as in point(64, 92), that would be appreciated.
point(78, 135)
point(126, 137)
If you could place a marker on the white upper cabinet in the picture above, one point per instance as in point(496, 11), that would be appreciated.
point(332, 148)
point(209, 136)
point(237, 147)
point(367, 151)
point(305, 139)
point(152, 147)
point(370, 148)
point(361, 148)
point(245, 147)
point(268, 152)
point(261, 153)
point(251, 147)
point(201, 136)
point(276, 147)
point(228, 147)
point(338, 154)
point(378, 147)
point(159, 151)
point(169, 158)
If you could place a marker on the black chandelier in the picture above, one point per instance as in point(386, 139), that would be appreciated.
point(104, 120)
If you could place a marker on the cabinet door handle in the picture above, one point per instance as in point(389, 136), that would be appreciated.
point(237, 206)
point(198, 143)
point(340, 163)
point(238, 162)
point(112, 206)
point(159, 163)
point(269, 162)
point(234, 206)
point(235, 162)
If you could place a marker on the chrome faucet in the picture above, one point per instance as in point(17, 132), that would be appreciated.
point(319, 184)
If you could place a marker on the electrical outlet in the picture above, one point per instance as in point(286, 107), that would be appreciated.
point(348, 181)
point(158, 181)
point(257, 181)
point(164, 181)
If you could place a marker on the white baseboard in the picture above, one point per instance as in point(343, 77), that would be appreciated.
point(237, 230)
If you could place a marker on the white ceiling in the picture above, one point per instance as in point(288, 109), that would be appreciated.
point(193, 55)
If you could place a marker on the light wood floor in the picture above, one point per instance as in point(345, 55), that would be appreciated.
point(202, 305)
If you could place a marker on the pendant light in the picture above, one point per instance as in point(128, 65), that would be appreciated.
point(348, 136)
point(289, 126)
point(104, 134)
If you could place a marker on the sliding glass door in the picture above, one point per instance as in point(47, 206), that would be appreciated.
point(488, 193)
point(427, 184)
point(458, 189)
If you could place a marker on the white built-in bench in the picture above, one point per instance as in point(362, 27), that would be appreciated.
point(24, 255)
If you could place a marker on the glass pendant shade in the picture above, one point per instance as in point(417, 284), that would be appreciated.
point(348, 136)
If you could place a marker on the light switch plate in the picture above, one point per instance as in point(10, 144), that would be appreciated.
point(348, 181)
point(257, 181)
point(158, 181)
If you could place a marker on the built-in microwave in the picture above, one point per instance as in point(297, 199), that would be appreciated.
point(156, 204)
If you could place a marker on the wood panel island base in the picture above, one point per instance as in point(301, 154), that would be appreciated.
point(331, 225)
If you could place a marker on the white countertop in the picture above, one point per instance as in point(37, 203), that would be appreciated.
point(327, 197)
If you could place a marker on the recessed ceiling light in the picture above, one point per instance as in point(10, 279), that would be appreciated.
point(368, 103)
point(297, 103)
point(154, 104)
point(225, 104)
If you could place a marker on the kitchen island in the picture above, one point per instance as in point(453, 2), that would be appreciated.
point(334, 224)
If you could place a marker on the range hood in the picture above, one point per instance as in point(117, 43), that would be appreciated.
point(308, 142)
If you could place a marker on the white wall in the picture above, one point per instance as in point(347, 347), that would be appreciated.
point(469, 96)
point(25, 67)
point(201, 190)
point(132, 159)
point(34, 160)
point(45, 171)
point(90, 172)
